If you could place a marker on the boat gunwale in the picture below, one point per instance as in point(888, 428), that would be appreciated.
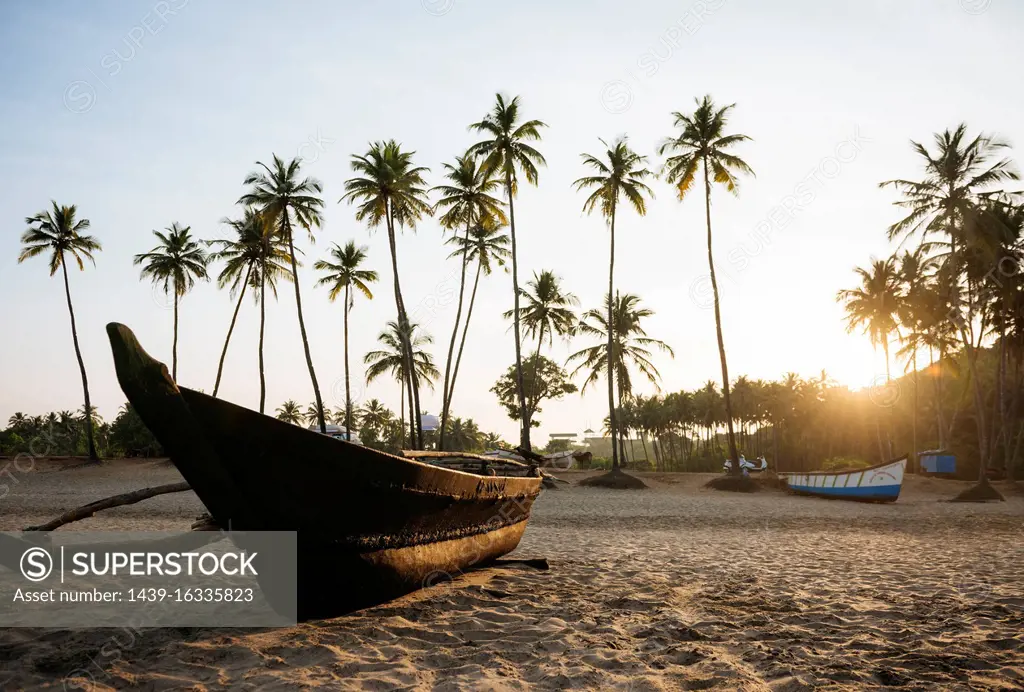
point(903, 459)
point(531, 484)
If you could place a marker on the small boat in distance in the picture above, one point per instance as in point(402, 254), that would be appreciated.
point(370, 526)
point(881, 483)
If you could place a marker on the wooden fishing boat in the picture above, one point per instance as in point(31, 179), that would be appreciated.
point(881, 483)
point(370, 525)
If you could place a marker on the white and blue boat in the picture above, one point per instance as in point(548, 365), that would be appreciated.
point(881, 483)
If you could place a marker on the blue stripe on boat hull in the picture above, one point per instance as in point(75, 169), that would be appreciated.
point(876, 493)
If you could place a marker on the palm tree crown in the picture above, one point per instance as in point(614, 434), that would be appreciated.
point(487, 245)
point(279, 193)
point(467, 198)
point(549, 309)
point(343, 272)
point(176, 262)
point(59, 232)
point(703, 142)
point(875, 304)
point(506, 152)
point(375, 415)
point(289, 412)
point(632, 345)
point(389, 359)
point(621, 175)
point(388, 187)
point(957, 184)
point(256, 252)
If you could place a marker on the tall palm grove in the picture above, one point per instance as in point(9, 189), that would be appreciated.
point(945, 310)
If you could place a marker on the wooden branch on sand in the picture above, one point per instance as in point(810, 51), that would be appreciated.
point(86, 511)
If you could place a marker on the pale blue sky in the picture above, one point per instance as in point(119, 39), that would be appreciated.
point(144, 113)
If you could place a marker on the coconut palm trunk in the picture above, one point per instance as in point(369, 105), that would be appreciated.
point(174, 345)
point(90, 438)
point(465, 328)
point(913, 462)
point(972, 366)
point(531, 401)
point(979, 403)
point(611, 340)
point(735, 467)
point(524, 418)
point(1004, 426)
point(940, 418)
point(892, 408)
point(231, 328)
point(348, 388)
point(446, 392)
point(413, 414)
point(401, 407)
point(410, 380)
point(263, 322)
point(302, 324)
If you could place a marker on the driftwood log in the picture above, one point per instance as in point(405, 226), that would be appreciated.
point(86, 511)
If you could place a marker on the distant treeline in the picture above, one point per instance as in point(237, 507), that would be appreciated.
point(64, 433)
point(801, 424)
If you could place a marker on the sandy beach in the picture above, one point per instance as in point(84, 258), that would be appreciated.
point(675, 587)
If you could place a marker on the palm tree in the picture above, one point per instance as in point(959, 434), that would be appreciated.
point(489, 247)
point(631, 347)
point(90, 415)
point(1000, 245)
point(875, 308)
point(492, 441)
point(311, 416)
point(375, 415)
point(548, 312)
point(875, 305)
point(344, 274)
point(281, 195)
point(254, 258)
point(912, 286)
point(391, 358)
point(507, 153)
point(175, 264)
point(290, 412)
point(466, 199)
point(953, 200)
point(60, 233)
point(926, 317)
point(465, 434)
point(620, 176)
point(703, 144)
point(389, 188)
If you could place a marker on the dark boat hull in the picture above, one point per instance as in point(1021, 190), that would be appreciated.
point(370, 525)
